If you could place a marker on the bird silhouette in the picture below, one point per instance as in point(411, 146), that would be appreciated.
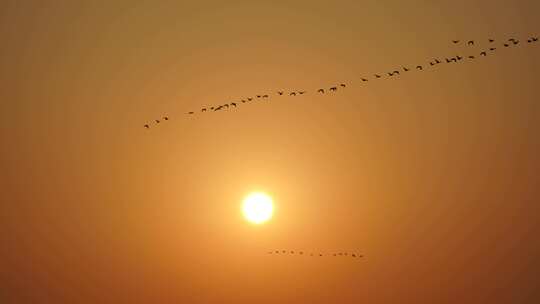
point(301, 92)
point(534, 39)
point(165, 117)
point(157, 121)
point(419, 67)
point(437, 61)
point(483, 53)
point(515, 42)
point(529, 40)
point(226, 105)
point(492, 49)
point(258, 96)
point(431, 63)
point(470, 42)
point(292, 94)
point(147, 126)
point(459, 57)
point(405, 69)
point(472, 57)
point(280, 93)
point(243, 101)
point(396, 72)
point(320, 91)
point(455, 41)
point(333, 89)
point(233, 104)
point(512, 39)
point(363, 79)
point(491, 40)
point(377, 76)
point(190, 113)
point(203, 110)
point(506, 45)
point(448, 60)
point(250, 99)
point(320, 254)
point(342, 85)
point(353, 255)
point(265, 96)
point(390, 74)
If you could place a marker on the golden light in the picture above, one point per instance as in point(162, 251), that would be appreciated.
point(258, 207)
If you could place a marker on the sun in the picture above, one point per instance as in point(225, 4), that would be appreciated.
point(258, 207)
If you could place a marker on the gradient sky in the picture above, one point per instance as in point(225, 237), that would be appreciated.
point(433, 176)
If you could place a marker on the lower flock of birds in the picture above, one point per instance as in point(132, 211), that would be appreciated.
point(511, 42)
point(305, 253)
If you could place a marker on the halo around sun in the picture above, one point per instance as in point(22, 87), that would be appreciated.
point(258, 207)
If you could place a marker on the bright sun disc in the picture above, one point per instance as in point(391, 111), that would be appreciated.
point(258, 207)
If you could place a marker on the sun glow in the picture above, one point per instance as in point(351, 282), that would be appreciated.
point(258, 207)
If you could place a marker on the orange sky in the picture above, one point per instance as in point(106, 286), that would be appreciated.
point(433, 176)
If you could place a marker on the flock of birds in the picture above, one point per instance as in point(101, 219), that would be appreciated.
point(511, 42)
point(292, 252)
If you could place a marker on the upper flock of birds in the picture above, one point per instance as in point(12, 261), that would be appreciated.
point(292, 252)
point(491, 49)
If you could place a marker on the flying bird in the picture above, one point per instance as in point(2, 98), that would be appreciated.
point(363, 79)
point(280, 93)
point(226, 105)
point(165, 117)
point(353, 255)
point(203, 110)
point(333, 89)
point(515, 42)
point(455, 41)
point(243, 101)
point(512, 39)
point(492, 49)
point(472, 57)
point(491, 40)
point(342, 85)
point(437, 61)
point(233, 104)
point(405, 69)
point(377, 76)
point(506, 45)
point(190, 113)
point(147, 126)
point(301, 92)
point(157, 121)
point(459, 57)
point(265, 96)
point(448, 60)
point(454, 60)
point(250, 99)
point(396, 72)
point(431, 63)
point(470, 42)
point(292, 94)
point(419, 67)
point(258, 96)
point(320, 91)
point(390, 74)
point(483, 53)
point(534, 39)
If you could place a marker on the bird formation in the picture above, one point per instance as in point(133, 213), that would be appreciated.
point(332, 89)
point(315, 254)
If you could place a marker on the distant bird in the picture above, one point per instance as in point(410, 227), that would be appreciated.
point(233, 104)
point(320, 91)
point(243, 101)
point(250, 99)
point(203, 110)
point(483, 53)
point(506, 45)
point(390, 74)
point(448, 60)
point(529, 40)
point(147, 126)
point(265, 96)
point(534, 39)
point(405, 69)
point(280, 93)
point(226, 105)
point(515, 42)
point(431, 63)
point(217, 109)
point(437, 61)
point(190, 113)
point(301, 252)
point(258, 96)
point(165, 117)
point(470, 42)
point(512, 39)
point(396, 72)
point(377, 76)
point(157, 121)
point(342, 85)
point(363, 79)
point(301, 92)
point(459, 57)
point(492, 49)
point(472, 57)
point(491, 40)
point(211, 108)
point(333, 89)
point(292, 94)
point(455, 41)
point(419, 67)
point(353, 255)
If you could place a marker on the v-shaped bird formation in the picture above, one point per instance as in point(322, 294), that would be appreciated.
point(398, 72)
point(316, 254)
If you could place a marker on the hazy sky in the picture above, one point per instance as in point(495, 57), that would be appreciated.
point(433, 176)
